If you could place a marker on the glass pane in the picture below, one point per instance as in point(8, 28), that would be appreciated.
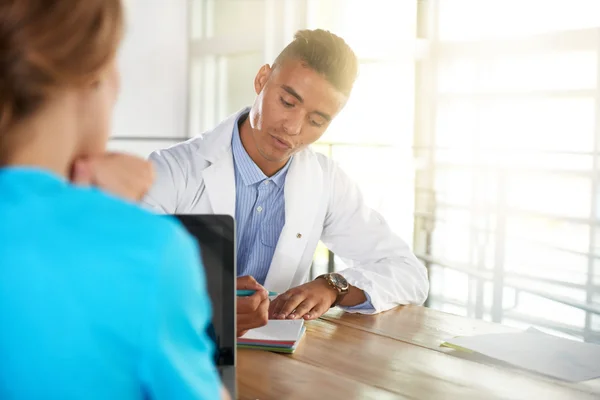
point(425, 200)
point(196, 94)
point(598, 203)
point(204, 94)
point(451, 243)
point(526, 258)
point(518, 324)
point(322, 148)
point(456, 156)
point(525, 159)
point(538, 124)
point(551, 71)
point(451, 285)
point(454, 186)
point(539, 307)
point(596, 277)
point(239, 72)
point(455, 125)
point(458, 218)
point(221, 86)
point(568, 196)
point(197, 18)
point(516, 132)
point(437, 284)
point(374, 178)
point(596, 248)
point(238, 17)
point(575, 294)
point(448, 307)
point(227, 17)
point(553, 232)
point(509, 296)
point(141, 148)
point(380, 109)
point(596, 298)
point(488, 296)
point(595, 325)
point(359, 21)
point(374, 169)
point(510, 18)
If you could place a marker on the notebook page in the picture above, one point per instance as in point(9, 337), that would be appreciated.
point(276, 330)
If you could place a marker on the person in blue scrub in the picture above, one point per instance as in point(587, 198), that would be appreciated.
point(98, 298)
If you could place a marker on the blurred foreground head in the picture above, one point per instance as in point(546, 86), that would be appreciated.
point(58, 79)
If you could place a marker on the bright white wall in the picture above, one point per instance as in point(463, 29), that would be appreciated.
point(153, 61)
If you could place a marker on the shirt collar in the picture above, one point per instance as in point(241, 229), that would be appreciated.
point(247, 168)
point(30, 174)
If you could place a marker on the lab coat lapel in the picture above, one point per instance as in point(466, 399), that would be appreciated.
point(219, 176)
point(219, 180)
point(302, 194)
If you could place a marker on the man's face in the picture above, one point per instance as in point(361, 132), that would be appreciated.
point(294, 107)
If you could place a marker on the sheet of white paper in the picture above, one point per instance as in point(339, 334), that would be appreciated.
point(277, 330)
point(537, 351)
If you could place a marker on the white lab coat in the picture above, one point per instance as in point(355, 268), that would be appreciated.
point(321, 203)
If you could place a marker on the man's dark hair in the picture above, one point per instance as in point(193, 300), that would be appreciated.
point(325, 53)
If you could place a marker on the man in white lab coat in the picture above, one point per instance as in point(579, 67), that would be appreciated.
point(256, 165)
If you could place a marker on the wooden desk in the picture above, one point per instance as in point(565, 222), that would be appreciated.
point(393, 355)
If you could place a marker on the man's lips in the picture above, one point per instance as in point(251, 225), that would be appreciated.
point(280, 143)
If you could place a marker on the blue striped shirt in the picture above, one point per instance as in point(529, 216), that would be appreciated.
point(259, 211)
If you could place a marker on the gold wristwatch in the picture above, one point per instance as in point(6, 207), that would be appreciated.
point(339, 283)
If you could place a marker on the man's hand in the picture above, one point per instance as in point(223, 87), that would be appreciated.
point(308, 301)
point(123, 175)
point(252, 311)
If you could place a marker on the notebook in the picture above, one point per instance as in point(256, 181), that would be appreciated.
point(281, 336)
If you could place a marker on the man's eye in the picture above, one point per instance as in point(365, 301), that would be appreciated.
point(285, 103)
point(315, 123)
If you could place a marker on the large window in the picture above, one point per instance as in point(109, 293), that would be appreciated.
point(507, 140)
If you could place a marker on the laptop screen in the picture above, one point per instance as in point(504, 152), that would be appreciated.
point(215, 235)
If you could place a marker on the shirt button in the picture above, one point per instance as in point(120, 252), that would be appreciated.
point(267, 182)
point(259, 209)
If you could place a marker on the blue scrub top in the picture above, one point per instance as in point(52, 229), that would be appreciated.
point(98, 298)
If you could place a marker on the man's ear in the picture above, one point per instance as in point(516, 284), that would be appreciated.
point(262, 77)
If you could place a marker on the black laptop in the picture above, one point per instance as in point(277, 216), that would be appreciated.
point(215, 235)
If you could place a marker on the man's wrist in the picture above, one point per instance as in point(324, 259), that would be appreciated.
point(326, 285)
point(354, 297)
point(338, 284)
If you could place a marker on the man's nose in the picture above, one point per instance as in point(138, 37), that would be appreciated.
point(292, 124)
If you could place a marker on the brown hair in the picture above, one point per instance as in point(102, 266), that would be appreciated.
point(325, 53)
point(48, 45)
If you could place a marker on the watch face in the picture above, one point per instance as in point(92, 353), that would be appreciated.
point(339, 281)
